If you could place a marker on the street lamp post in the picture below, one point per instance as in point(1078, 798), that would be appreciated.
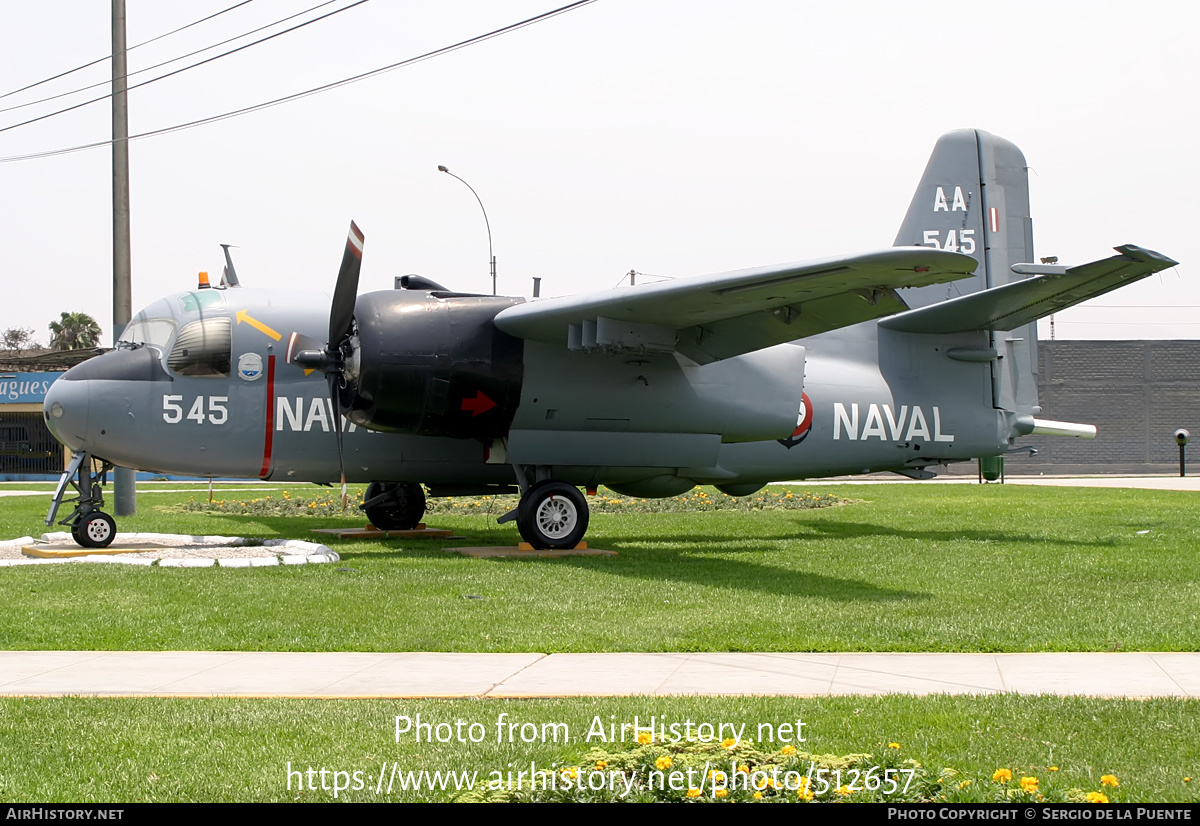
point(486, 223)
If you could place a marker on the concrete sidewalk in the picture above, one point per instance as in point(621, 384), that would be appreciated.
point(414, 675)
point(1186, 483)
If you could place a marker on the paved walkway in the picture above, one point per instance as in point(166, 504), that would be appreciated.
point(412, 675)
point(1191, 483)
point(1142, 482)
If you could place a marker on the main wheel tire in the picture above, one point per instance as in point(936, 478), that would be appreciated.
point(95, 530)
point(402, 511)
point(552, 515)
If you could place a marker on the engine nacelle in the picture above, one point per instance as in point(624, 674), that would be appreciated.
point(433, 364)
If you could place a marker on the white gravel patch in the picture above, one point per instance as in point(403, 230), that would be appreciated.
point(181, 551)
point(117, 560)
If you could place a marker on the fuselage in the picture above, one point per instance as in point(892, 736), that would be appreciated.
point(200, 387)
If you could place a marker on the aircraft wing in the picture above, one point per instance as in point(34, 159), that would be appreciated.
point(1016, 304)
point(714, 317)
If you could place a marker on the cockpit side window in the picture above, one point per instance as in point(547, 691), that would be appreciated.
point(203, 348)
point(142, 330)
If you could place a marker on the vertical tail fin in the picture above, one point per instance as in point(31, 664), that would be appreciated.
point(974, 198)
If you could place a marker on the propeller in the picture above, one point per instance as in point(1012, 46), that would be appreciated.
point(331, 359)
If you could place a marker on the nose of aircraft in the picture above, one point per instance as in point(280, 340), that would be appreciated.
point(66, 411)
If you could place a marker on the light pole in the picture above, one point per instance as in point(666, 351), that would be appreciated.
point(486, 223)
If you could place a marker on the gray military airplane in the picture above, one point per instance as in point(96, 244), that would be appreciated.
point(898, 360)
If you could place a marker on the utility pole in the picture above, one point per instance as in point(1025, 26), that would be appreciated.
point(124, 484)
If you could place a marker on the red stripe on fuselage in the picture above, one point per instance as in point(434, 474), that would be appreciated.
point(270, 418)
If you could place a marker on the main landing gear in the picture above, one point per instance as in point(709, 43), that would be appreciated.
point(90, 527)
point(394, 506)
point(552, 515)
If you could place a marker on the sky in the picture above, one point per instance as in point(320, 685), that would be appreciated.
point(669, 137)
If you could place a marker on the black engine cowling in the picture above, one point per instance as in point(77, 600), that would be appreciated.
point(433, 364)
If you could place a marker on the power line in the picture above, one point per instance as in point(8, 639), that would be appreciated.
point(167, 62)
point(131, 48)
point(316, 90)
point(185, 68)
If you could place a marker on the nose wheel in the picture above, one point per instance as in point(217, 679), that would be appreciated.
point(95, 530)
point(552, 515)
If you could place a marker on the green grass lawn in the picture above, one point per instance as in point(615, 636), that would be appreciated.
point(75, 749)
point(898, 568)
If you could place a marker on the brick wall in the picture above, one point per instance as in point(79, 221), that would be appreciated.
point(1137, 393)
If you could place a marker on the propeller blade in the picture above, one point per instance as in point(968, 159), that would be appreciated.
point(341, 314)
point(337, 429)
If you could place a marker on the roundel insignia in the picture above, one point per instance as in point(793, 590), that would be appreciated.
point(250, 366)
point(804, 419)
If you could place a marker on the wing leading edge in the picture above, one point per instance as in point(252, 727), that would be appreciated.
point(714, 317)
point(1049, 290)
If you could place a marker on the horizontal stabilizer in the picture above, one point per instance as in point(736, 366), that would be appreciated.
point(1049, 290)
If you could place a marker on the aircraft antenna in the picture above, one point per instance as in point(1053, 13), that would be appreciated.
point(231, 278)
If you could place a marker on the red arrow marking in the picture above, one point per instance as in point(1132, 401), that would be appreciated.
point(477, 405)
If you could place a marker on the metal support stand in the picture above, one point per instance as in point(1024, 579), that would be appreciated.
point(124, 491)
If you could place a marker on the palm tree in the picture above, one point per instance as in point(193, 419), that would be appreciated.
point(74, 331)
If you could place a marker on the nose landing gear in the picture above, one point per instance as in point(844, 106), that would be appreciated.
point(96, 530)
point(90, 527)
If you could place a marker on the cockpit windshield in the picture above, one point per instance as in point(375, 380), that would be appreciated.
point(144, 330)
